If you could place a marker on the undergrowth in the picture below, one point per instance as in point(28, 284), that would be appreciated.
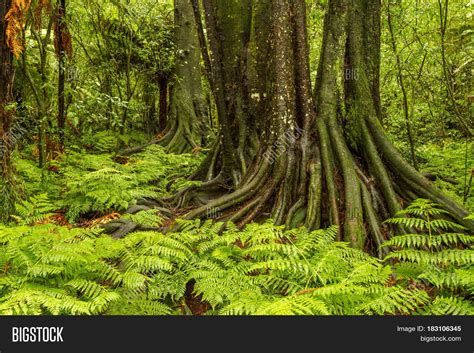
point(438, 255)
point(262, 270)
point(49, 265)
point(84, 184)
point(452, 164)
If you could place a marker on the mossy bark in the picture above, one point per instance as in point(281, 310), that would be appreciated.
point(323, 157)
point(186, 126)
point(7, 197)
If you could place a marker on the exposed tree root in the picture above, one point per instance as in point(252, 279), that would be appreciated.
point(353, 178)
point(364, 200)
point(339, 168)
point(119, 228)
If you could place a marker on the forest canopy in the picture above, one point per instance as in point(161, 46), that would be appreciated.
point(236, 157)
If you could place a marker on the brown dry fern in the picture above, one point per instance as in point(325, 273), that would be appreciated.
point(15, 18)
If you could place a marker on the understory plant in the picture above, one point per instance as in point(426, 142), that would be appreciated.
point(262, 270)
point(435, 254)
point(97, 184)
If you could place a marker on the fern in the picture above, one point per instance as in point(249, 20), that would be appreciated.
point(53, 270)
point(439, 256)
point(36, 210)
point(450, 306)
point(264, 270)
point(97, 184)
point(261, 270)
point(85, 184)
point(150, 218)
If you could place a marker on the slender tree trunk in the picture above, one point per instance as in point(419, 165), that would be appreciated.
point(7, 197)
point(60, 36)
point(401, 82)
point(443, 6)
point(41, 90)
point(163, 116)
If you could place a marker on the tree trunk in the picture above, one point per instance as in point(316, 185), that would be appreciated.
point(229, 26)
point(323, 157)
point(401, 82)
point(61, 53)
point(163, 117)
point(185, 128)
point(149, 114)
point(7, 197)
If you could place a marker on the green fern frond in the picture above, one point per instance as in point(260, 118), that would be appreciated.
point(443, 306)
point(442, 258)
point(423, 240)
point(395, 300)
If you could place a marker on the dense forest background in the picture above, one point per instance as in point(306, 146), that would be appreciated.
point(236, 157)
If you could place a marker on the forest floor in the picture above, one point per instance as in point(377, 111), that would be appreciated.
point(88, 187)
point(57, 259)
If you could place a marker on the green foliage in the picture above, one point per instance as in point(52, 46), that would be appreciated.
point(94, 183)
point(109, 186)
point(452, 163)
point(54, 270)
point(36, 210)
point(103, 190)
point(437, 255)
point(416, 28)
point(122, 46)
point(262, 270)
point(122, 50)
point(148, 218)
point(106, 141)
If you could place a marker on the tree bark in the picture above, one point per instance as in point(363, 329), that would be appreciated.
point(185, 128)
point(7, 198)
point(60, 34)
point(228, 29)
point(323, 157)
point(163, 115)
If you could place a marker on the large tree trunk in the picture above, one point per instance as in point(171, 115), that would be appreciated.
point(7, 196)
point(229, 29)
point(323, 156)
point(186, 117)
